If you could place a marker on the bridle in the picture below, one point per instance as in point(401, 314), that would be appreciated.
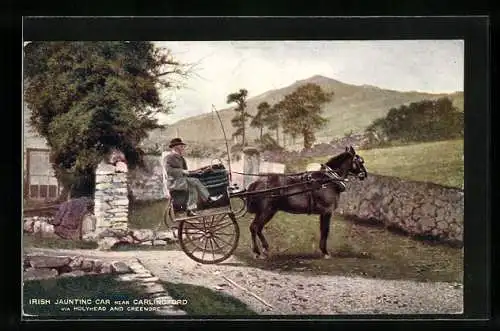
point(357, 163)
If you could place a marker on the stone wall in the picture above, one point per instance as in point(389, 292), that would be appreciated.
point(334, 147)
point(145, 237)
point(40, 226)
point(111, 197)
point(39, 266)
point(147, 184)
point(417, 208)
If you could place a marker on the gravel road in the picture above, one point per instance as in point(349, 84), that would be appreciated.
point(295, 293)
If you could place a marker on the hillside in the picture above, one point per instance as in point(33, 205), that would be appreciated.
point(439, 162)
point(352, 108)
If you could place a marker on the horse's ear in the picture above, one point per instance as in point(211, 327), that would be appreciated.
point(351, 149)
point(347, 149)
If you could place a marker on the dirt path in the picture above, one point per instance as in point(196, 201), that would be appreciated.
point(294, 293)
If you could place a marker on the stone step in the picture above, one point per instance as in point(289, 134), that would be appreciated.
point(150, 279)
point(171, 311)
point(153, 288)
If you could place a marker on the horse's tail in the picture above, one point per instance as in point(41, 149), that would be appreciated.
point(251, 201)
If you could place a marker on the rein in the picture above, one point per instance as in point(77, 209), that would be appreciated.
point(333, 178)
point(272, 174)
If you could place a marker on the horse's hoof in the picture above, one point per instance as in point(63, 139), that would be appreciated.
point(262, 257)
point(327, 256)
point(256, 256)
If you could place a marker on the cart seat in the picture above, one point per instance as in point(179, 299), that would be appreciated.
point(216, 181)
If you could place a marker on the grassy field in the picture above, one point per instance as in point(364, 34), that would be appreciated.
point(108, 287)
point(356, 249)
point(204, 301)
point(30, 240)
point(437, 162)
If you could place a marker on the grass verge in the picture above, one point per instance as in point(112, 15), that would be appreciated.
point(201, 301)
point(204, 301)
point(147, 215)
point(92, 287)
point(30, 240)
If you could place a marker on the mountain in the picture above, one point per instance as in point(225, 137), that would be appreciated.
point(352, 108)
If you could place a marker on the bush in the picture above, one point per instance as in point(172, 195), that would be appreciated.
point(424, 121)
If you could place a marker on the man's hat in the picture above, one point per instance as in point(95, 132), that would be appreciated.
point(175, 142)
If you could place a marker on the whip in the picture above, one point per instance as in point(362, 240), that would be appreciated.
point(225, 139)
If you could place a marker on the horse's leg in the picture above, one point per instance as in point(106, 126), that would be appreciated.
point(324, 229)
point(265, 219)
point(253, 230)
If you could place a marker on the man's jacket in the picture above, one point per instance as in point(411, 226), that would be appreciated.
point(175, 165)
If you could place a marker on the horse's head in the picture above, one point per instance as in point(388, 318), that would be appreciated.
point(357, 165)
point(348, 163)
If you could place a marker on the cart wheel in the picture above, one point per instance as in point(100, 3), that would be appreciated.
point(238, 206)
point(209, 239)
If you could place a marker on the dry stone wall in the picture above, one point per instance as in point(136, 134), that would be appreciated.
point(109, 238)
point(42, 267)
point(417, 208)
point(40, 226)
point(147, 184)
point(105, 238)
point(111, 197)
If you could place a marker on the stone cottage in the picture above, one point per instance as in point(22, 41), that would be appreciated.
point(40, 182)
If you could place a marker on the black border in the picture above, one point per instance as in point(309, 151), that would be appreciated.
point(474, 30)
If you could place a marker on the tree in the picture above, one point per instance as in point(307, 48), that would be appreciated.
point(272, 119)
point(87, 98)
point(239, 121)
point(258, 120)
point(302, 111)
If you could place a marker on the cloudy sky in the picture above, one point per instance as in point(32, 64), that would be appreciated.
point(223, 67)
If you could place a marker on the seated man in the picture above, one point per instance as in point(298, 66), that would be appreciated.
point(177, 172)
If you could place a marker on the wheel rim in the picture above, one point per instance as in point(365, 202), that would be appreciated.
point(169, 219)
point(238, 205)
point(209, 239)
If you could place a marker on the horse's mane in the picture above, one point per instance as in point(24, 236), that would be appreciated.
point(337, 160)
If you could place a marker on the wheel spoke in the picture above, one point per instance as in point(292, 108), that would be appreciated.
point(219, 220)
point(212, 221)
point(204, 225)
point(192, 240)
point(225, 234)
point(194, 250)
point(229, 223)
point(212, 246)
point(195, 226)
point(216, 244)
point(225, 246)
point(225, 242)
point(204, 249)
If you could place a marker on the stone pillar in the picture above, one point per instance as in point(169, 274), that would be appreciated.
point(111, 198)
point(251, 164)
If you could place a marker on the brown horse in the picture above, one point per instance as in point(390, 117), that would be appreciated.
point(313, 192)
